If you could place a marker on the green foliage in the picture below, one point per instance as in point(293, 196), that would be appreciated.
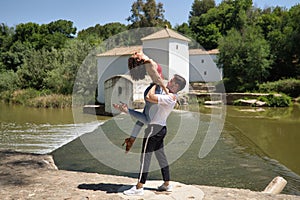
point(209, 23)
point(52, 35)
point(281, 29)
point(6, 36)
point(36, 65)
point(184, 29)
point(147, 14)
point(13, 58)
point(23, 96)
point(200, 7)
point(208, 36)
point(95, 35)
point(61, 79)
point(276, 100)
point(8, 81)
point(290, 87)
point(245, 58)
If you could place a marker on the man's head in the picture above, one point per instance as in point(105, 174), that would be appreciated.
point(176, 84)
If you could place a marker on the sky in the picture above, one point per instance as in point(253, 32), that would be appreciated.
point(88, 13)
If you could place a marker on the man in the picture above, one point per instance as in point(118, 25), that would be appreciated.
point(155, 133)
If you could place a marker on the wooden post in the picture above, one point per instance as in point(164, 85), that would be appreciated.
point(276, 185)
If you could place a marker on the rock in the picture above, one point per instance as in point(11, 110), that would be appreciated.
point(213, 102)
point(250, 102)
point(276, 185)
point(32, 176)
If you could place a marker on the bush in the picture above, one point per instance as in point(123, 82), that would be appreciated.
point(276, 100)
point(290, 87)
point(51, 101)
point(38, 99)
point(23, 96)
point(8, 81)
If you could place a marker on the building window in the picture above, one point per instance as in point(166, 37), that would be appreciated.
point(177, 46)
point(205, 73)
point(119, 91)
point(202, 61)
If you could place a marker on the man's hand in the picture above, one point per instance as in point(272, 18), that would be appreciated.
point(129, 142)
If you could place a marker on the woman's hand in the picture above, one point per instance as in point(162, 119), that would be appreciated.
point(123, 107)
point(141, 56)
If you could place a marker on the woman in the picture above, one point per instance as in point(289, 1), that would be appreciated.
point(139, 65)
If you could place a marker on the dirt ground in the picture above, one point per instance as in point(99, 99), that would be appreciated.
point(31, 176)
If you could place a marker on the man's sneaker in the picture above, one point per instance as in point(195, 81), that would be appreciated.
point(134, 191)
point(168, 188)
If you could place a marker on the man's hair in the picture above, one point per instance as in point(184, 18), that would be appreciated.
point(136, 68)
point(180, 81)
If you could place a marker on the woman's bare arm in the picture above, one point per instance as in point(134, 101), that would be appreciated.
point(151, 68)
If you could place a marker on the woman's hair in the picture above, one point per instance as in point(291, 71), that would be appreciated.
point(136, 68)
point(180, 81)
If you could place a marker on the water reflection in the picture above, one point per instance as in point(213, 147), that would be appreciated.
point(275, 131)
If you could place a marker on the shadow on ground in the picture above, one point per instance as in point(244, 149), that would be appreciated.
point(108, 187)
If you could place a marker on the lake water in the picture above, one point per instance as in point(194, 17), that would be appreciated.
point(255, 145)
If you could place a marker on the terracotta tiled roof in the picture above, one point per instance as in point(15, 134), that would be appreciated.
point(203, 52)
point(166, 33)
point(120, 51)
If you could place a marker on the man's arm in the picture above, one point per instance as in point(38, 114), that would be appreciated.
point(151, 96)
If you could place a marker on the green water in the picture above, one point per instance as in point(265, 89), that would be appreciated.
point(252, 149)
point(40, 130)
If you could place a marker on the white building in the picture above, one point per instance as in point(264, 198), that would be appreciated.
point(203, 66)
point(170, 50)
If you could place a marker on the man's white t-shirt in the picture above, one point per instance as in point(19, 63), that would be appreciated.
point(165, 105)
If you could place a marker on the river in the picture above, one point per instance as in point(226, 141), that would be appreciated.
point(255, 144)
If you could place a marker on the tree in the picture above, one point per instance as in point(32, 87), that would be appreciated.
point(24, 32)
point(293, 39)
point(216, 21)
point(184, 29)
point(61, 78)
point(200, 7)
point(8, 81)
point(147, 14)
point(95, 35)
point(245, 59)
point(6, 37)
point(280, 28)
point(208, 36)
point(36, 65)
point(54, 34)
point(64, 27)
point(46, 36)
point(6, 34)
point(13, 58)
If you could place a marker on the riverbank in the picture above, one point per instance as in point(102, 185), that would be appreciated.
point(45, 99)
point(35, 176)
